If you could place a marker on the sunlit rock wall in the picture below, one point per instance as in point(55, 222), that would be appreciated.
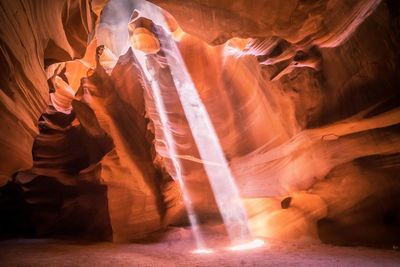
point(295, 106)
point(325, 22)
point(114, 106)
point(33, 35)
point(303, 96)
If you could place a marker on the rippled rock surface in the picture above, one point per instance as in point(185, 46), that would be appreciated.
point(303, 96)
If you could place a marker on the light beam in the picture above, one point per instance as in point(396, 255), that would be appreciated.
point(221, 179)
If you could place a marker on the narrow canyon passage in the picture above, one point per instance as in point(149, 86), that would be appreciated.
point(234, 133)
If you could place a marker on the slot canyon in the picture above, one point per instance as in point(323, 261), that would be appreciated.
point(199, 133)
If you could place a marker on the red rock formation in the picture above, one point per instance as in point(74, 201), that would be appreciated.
point(303, 96)
point(62, 194)
point(301, 85)
point(114, 105)
point(33, 35)
point(327, 23)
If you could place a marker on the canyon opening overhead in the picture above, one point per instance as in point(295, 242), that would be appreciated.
point(199, 133)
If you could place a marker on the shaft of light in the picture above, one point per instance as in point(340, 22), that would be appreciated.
point(171, 150)
point(220, 177)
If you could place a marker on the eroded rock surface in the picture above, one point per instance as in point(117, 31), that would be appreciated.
point(33, 35)
point(303, 96)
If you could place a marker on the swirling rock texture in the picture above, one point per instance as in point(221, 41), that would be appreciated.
point(138, 193)
point(33, 35)
point(303, 96)
point(307, 73)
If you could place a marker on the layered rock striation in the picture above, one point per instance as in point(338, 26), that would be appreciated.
point(303, 96)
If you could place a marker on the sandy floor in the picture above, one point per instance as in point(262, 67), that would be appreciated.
point(176, 251)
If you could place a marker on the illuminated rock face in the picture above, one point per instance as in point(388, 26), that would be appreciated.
point(114, 106)
point(307, 111)
point(325, 22)
point(33, 35)
point(303, 97)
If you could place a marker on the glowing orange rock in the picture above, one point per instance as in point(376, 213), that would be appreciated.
point(62, 97)
point(144, 40)
point(107, 60)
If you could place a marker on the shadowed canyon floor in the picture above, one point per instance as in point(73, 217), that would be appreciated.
point(175, 251)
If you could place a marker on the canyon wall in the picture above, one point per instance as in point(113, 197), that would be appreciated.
point(303, 97)
point(34, 34)
point(301, 102)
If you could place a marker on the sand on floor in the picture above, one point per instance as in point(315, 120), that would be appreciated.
point(175, 249)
